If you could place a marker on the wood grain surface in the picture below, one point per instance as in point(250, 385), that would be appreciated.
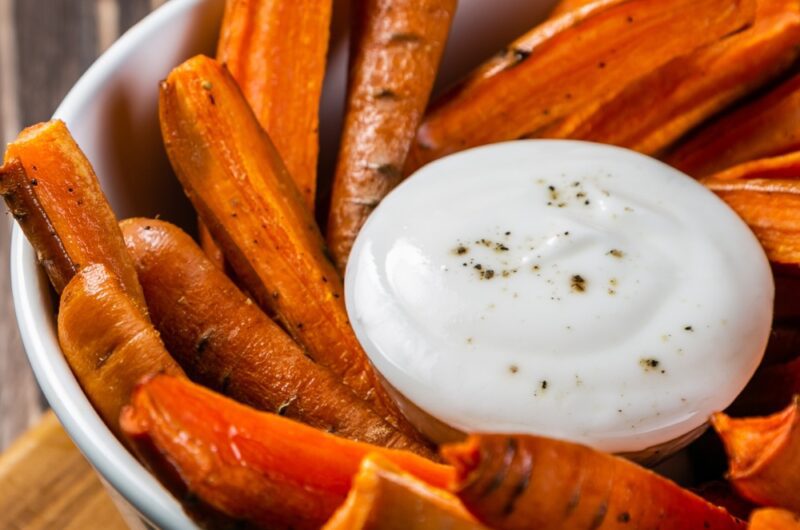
point(45, 46)
point(71, 498)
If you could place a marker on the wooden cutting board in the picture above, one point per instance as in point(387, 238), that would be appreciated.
point(46, 483)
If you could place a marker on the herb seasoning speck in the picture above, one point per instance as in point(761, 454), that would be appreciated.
point(578, 283)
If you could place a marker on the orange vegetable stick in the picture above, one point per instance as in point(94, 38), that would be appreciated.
point(53, 192)
point(770, 207)
point(225, 342)
point(276, 51)
point(764, 456)
point(107, 341)
point(397, 46)
point(653, 112)
point(530, 482)
point(385, 498)
point(560, 66)
point(241, 189)
point(765, 127)
point(565, 6)
point(786, 166)
point(774, 519)
point(253, 466)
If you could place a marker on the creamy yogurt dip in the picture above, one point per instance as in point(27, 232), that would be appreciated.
point(561, 288)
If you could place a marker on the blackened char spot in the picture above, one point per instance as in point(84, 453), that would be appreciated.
point(502, 473)
point(521, 485)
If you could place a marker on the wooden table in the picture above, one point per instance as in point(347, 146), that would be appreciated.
point(45, 45)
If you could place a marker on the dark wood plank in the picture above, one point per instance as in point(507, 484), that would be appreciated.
point(56, 42)
point(20, 401)
point(132, 11)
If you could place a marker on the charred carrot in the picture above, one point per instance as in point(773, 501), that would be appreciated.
point(764, 455)
point(228, 344)
point(651, 113)
point(242, 191)
point(765, 127)
point(398, 45)
point(771, 208)
point(276, 52)
point(567, 63)
point(774, 519)
point(53, 192)
point(253, 466)
point(384, 497)
point(530, 482)
point(107, 341)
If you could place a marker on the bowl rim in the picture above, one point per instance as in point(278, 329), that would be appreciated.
point(105, 453)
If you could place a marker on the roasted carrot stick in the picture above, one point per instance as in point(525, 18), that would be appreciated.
point(242, 191)
point(253, 466)
point(771, 208)
point(276, 52)
point(764, 456)
point(227, 343)
point(786, 166)
point(107, 341)
point(530, 482)
point(765, 127)
point(774, 519)
point(53, 192)
point(653, 112)
point(581, 57)
point(384, 497)
point(397, 46)
point(565, 6)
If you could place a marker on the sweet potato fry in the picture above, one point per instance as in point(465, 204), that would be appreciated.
point(242, 191)
point(765, 127)
point(530, 482)
point(652, 112)
point(53, 192)
point(398, 45)
point(227, 343)
point(253, 466)
point(276, 51)
point(107, 341)
point(764, 456)
point(568, 62)
point(771, 208)
point(385, 498)
point(774, 519)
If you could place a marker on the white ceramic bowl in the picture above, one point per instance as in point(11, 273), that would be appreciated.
point(111, 112)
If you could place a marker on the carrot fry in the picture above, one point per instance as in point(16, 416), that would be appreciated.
point(227, 343)
point(530, 482)
point(53, 192)
point(107, 341)
point(774, 519)
point(568, 62)
point(242, 191)
point(653, 112)
point(384, 497)
point(770, 207)
point(398, 45)
point(765, 127)
point(276, 51)
point(250, 465)
point(786, 166)
point(209, 246)
point(764, 456)
point(565, 6)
